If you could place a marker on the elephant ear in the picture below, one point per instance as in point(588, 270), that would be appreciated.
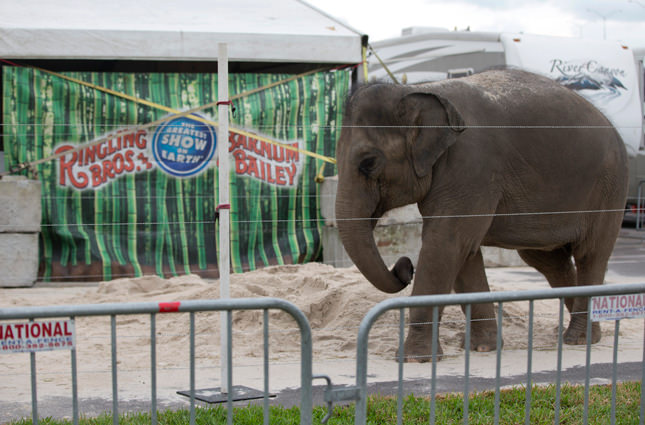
point(434, 124)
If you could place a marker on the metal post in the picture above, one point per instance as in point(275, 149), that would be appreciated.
point(639, 204)
point(153, 369)
point(74, 384)
point(614, 373)
point(34, 396)
point(399, 403)
point(224, 211)
point(498, 363)
point(585, 416)
point(529, 367)
point(435, 343)
point(642, 418)
point(265, 332)
point(558, 379)
point(192, 368)
point(467, 363)
point(115, 390)
point(229, 367)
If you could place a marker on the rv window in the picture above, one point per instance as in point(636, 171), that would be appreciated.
point(460, 72)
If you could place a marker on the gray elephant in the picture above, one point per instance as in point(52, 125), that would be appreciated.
point(502, 158)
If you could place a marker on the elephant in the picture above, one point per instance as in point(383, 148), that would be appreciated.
point(503, 158)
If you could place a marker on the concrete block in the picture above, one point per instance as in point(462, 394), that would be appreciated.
point(334, 252)
point(500, 257)
point(392, 243)
point(20, 208)
point(328, 200)
point(18, 259)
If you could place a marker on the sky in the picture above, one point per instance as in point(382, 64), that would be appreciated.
point(621, 20)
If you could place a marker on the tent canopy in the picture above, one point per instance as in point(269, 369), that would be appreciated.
point(256, 31)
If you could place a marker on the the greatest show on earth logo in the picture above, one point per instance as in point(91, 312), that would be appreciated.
point(183, 146)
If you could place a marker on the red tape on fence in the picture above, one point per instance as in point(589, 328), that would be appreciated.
point(169, 307)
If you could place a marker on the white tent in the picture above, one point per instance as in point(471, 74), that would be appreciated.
point(286, 31)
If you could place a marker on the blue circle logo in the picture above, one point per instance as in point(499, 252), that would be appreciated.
point(183, 146)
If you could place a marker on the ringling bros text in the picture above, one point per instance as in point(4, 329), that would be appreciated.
point(129, 152)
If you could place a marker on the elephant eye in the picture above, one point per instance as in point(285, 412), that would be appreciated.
point(367, 166)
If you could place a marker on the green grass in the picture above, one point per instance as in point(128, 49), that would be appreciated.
point(449, 410)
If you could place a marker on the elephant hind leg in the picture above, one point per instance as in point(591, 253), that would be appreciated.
point(591, 269)
point(559, 269)
point(556, 266)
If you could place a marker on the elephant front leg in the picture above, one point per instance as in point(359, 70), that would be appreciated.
point(436, 272)
point(472, 278)
point(418, 344)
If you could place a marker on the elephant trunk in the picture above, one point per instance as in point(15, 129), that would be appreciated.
point(356, 234)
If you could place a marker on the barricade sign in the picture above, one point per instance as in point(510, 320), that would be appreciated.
point(617, 307)
point(37, 336)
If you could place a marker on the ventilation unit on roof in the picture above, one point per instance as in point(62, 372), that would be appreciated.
point(460, 72)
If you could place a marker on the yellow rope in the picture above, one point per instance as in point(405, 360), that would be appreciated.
point(384, 65)
point(365, 64)
point(196, 117)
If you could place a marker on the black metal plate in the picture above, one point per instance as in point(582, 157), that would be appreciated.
point(214, 395)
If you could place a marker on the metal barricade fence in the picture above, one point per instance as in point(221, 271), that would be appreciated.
point(359, 393)
point(190, 307)
point(356, 393)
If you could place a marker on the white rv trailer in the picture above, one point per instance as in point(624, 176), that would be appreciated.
point(607, 73)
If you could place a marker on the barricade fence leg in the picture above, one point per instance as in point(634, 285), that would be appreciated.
point(558, 377)
point(498, 362)
point(585, 416)
point(229, 367)
point(614, 373)
point(153, 369)
point(467, 363)
point(265, 335)
point(642, 421)
point(74, 384)
point(435, 344)
point(34, 395)
point(192, 368)
point(399, 407)
point(115, 392)
point(529, 366)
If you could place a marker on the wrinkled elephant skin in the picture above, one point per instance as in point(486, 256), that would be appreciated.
point(502, 158)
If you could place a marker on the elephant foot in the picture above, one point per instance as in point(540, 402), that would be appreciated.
point(576, 333)
point(482, 342)
point(484, 347)
point(419, 350)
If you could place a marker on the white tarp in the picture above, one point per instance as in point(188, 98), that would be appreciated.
point(264, 31)
point(602, 72)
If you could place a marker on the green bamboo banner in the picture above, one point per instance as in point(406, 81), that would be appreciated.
point(121, 209)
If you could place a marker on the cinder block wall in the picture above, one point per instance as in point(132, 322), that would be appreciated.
point(20, 214)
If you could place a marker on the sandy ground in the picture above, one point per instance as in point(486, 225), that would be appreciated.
point(334, 300)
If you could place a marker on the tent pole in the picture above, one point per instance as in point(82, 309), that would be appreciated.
point(224, 211)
